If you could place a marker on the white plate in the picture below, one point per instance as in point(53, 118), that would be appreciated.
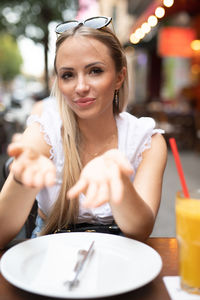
point(117, 265)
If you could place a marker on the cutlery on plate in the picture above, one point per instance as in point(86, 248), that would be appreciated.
point(83, 255)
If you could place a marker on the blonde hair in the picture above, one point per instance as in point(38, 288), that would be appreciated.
point(65, 211)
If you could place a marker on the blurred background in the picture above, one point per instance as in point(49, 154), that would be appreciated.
point(161, 39)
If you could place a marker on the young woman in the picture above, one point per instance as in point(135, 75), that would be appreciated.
point(82, 156)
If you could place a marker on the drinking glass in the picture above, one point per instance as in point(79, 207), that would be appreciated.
point(188, 235)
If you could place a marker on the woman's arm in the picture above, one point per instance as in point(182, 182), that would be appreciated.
point(16, 202)
point(134, 206)
point(34, 169)
point(137, 211)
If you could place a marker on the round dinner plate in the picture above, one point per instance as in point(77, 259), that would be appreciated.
point(44, 264)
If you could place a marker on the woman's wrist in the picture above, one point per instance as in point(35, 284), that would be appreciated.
point(17, 181)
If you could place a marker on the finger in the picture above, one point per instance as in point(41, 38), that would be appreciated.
point(78, 188)
point(117, 190)
point(38, 179)
point(116, 185)
point(103, 194)
point(90, 195)
point(17, 168)
point(50, 178)
point(28, 177)
point(49, 173)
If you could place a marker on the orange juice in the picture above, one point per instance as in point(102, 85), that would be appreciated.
point(188, 235)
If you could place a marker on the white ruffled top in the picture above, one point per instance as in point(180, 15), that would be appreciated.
point(134, 136)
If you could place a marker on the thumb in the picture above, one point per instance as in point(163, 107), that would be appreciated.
point(15, 149)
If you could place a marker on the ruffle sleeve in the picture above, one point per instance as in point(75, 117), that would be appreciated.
point(50, 126)
point(135, 136)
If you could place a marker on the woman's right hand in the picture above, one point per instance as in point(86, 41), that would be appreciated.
point(30, 167)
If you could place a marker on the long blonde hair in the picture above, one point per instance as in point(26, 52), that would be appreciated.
point(65, 211)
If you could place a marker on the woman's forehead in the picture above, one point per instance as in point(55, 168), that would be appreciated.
point(83, 47)
point(84, 43)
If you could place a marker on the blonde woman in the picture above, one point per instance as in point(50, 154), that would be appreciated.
point(85, 160)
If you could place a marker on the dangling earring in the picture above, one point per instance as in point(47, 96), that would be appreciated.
point(116, 99)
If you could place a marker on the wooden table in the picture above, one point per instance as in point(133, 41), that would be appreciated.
point(155, 290)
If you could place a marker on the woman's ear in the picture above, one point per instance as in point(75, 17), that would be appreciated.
point(120, 78)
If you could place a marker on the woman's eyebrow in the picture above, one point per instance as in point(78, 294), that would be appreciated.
point(93, 64)
point(86, 67)
point(66, 69)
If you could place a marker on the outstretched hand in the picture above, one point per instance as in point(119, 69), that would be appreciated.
point(30, 167)
point(101, 180)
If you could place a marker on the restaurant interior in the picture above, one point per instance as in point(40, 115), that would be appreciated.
point(167, 68)
point(164, 62)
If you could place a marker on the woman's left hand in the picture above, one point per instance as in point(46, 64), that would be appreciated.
point(101, 179)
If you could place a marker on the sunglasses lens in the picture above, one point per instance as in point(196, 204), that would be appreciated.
point(96, 22)
point(66, 26)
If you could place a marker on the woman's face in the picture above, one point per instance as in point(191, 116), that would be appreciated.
point(87, 76)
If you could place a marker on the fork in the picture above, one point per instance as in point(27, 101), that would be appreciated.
point(83, 255)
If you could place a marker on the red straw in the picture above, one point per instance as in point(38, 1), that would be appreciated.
point(179, 167)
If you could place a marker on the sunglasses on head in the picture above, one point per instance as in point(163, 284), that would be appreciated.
point(95, 22)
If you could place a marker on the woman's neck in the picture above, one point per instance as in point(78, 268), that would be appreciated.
point(96, 137)
point(93, 130)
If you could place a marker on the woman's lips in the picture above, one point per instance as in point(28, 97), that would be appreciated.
point(82, 102)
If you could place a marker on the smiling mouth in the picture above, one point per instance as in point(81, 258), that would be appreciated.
point(85, 101)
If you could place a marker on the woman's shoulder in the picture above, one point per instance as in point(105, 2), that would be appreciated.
point(45, 113)
point(126, 119)
point(135, 135)
point(41, 106)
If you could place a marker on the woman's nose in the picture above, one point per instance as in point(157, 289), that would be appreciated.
point(82, 85)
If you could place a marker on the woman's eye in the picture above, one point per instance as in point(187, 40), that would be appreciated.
point(67, 75)
point(96, 71)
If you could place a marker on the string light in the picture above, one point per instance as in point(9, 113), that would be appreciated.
point(159, 12)
point(168, 3)
point(152, 21)
point(134, 39)
point(139, 33)
point(195, 45)
point(146, 27)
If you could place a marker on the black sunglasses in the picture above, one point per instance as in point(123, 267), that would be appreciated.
point(95, 22)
